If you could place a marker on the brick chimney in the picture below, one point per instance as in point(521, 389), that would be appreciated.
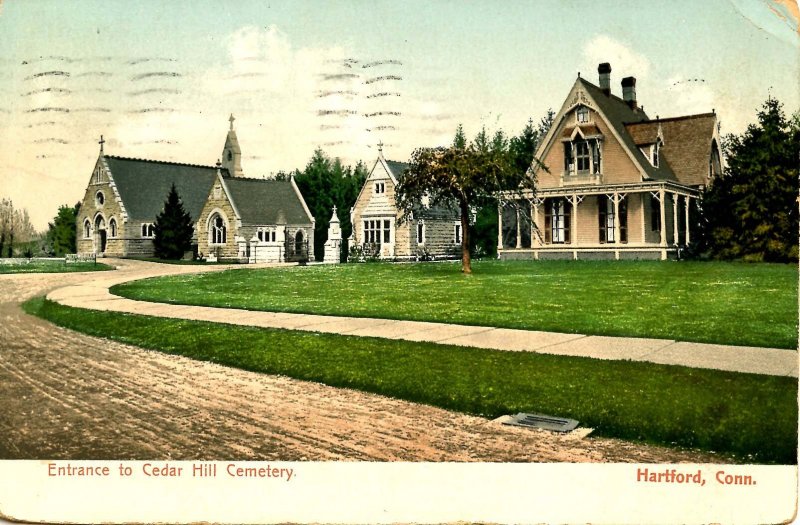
point(629, 91)
point(604, 72)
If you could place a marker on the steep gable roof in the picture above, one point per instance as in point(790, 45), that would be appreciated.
point(618, 114)
point(266, 201)
point(687, 146)
point(143, 185)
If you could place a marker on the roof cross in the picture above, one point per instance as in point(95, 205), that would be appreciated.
point(380, 147)
point(102, 141)
point(231, 119)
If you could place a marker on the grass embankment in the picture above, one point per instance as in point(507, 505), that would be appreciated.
point(57, 266)
point(749, 416)
point(712, 302)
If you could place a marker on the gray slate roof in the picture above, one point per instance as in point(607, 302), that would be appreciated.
point(618, 114)
point(144, 185)
point(266, 201)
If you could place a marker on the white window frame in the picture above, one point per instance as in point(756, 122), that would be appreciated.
point(87, 228)
point(582, 111)
point(380, 188)
point(558, 222)
point(376, 230)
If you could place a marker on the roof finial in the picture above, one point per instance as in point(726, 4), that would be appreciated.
point(380, 147)
point(231, 119)
point(102, 141)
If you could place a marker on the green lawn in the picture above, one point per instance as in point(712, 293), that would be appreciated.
point(715, 302)
point(749, 418)
point(55, 266)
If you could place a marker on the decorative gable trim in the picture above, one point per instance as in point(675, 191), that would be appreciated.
point(113, 185)
point(576, 97)
point(301, 199)
point(227, 192)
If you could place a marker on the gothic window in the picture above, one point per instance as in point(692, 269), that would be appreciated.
point(420, 232)
point(98, 175)
point(148, 230)
point(99, 198)
point(266, 235)
point(556, 221)
point(87, 229)
point(112, 226)
point(218, 233)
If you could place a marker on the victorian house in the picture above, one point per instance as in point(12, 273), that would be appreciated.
point(613, 183)
point(432, 231)
point(235, 218)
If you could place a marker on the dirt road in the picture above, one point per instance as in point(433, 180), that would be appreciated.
point(64, 395)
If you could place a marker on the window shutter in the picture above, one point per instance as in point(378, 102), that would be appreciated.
point(548, 221)
point(567, 155)
point(601, 213)
point(567, 222)
point(623, 222)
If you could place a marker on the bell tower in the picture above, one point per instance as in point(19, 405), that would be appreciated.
point(232, 153)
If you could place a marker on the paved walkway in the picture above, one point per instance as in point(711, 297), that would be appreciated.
point(95, 295)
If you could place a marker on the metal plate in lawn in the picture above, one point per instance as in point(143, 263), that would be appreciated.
point(556, 424)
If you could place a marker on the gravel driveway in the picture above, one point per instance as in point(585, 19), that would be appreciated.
point(64, 395)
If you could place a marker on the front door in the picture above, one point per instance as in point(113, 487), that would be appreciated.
point(102, 241)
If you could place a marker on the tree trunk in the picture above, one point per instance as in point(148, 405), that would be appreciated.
point(466, 262)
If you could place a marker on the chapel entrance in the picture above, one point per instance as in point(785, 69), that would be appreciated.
point(100, 235)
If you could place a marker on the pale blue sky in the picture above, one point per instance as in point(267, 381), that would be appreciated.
point(282, 68)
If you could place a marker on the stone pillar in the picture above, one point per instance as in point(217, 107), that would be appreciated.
point(688, 239)
point(519, 229)
point(333, 245)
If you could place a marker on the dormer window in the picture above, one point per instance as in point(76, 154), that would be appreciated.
point(582, 157)
point(380, 187)
point(656, 153)
point(582, 114)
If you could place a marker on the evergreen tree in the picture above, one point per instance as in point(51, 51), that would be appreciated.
point(750, 212)
point(62, 232)
point(173, 229)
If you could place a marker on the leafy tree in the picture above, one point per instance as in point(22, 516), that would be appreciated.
point(325, 183)
point(16, 229)
point(62, 232)
point(750, 212)
point(173, 229)
point(464, 175)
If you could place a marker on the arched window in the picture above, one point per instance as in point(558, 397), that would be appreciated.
point(87, 229)
point(148, 229)
point(218, 231)
point(112, 227)
point(100, 198)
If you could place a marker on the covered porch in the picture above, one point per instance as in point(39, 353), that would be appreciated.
point(647, 220)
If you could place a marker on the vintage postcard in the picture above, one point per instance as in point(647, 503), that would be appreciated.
point(399, 261)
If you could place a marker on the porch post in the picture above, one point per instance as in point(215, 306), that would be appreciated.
point(663, 224)
point(642, 198)
point(675, 218)
point(616, 218)
point(499, 226)
point(519, 229)
point(688, 240)
point(534, 213)
point(574, 234)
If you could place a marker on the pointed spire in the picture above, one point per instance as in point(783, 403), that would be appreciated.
point(334, 217)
